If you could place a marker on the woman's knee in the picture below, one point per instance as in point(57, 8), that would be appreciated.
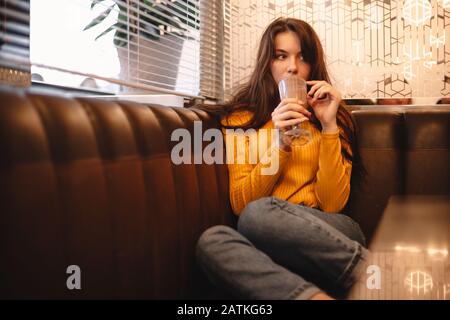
point(353, 231)
point(359, 235)
point(263, 218)
point(252, 216)
point(212, 237)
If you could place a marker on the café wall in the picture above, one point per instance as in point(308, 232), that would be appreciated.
point(374, 49)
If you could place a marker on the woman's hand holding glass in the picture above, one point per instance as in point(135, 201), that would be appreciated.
point(289, 113)
point(293, 86)
point(324, 99)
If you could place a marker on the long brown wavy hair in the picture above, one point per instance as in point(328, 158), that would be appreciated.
point(260, 94)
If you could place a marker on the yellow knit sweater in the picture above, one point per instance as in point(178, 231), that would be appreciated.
point(315, 175)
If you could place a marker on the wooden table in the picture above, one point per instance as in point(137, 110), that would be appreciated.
point(411, 246)
point(420, 222)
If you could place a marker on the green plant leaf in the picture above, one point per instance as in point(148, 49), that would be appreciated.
point(122, 17)
point(150, 18)
point(118, 36)
point(94, 2)
point(114, 26)
point(149, 31)
point(99, 19)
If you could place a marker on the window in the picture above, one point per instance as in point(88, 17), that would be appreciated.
point(148, 43)
point(14, 42)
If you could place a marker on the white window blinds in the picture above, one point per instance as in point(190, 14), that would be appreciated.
point(212, 40)
point(131, 46)
point(157, 42)
point(14, 42)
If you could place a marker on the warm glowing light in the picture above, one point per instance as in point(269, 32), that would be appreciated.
point(417, 12)
point(409, 249)
point(446, 290)
point(430, 251)
point(419, 282)
point(446, 4)
point(435, 252)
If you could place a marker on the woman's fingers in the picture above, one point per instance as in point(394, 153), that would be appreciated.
point(287, 124)
point(287, 115)
point(318, 85)
point(285, 102)
point(298, 107)
point(314, 86)
point(292, 108)
point(322, 92)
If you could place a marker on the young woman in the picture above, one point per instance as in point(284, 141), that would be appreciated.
point(291, 242)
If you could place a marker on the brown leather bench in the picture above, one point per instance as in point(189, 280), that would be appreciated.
point(90, 183)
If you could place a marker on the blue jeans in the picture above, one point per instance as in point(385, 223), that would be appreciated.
point(283, 251)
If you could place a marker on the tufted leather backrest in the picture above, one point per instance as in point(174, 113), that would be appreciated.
point(427, 161)
point(91, 183)
point(380, 146)
point(405, 150)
